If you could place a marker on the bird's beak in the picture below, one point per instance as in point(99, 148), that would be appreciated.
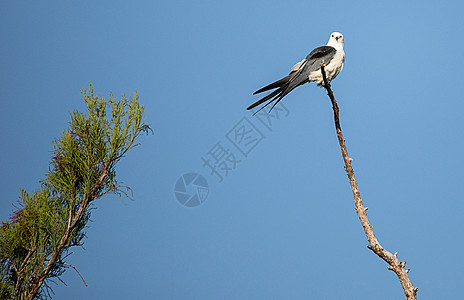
point(336, 39)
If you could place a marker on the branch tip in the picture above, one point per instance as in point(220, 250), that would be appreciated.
point(77, 273)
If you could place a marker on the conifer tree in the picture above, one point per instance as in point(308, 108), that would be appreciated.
point(35, 242)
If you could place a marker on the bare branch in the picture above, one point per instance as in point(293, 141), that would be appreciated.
point(77, 272)
point(394, 264)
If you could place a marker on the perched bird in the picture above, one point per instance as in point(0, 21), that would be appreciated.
point(307, 70)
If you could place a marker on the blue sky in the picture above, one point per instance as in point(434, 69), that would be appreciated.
point(281, 224)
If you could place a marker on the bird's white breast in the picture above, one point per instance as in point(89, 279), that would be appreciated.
point(336, 64)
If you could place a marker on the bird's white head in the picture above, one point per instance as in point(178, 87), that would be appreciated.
point(336, 40)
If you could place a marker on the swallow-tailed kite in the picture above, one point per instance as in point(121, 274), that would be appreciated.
point(307, 70)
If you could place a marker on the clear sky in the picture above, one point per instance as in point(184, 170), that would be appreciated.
point(281, 224)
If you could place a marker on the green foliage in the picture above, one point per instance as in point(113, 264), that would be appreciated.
point(34, 243)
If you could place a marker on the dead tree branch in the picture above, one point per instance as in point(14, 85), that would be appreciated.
point(77, 272)
point(394, 264)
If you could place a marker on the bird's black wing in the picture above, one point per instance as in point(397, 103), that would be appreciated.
point(296, 77)
point(322, 54)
